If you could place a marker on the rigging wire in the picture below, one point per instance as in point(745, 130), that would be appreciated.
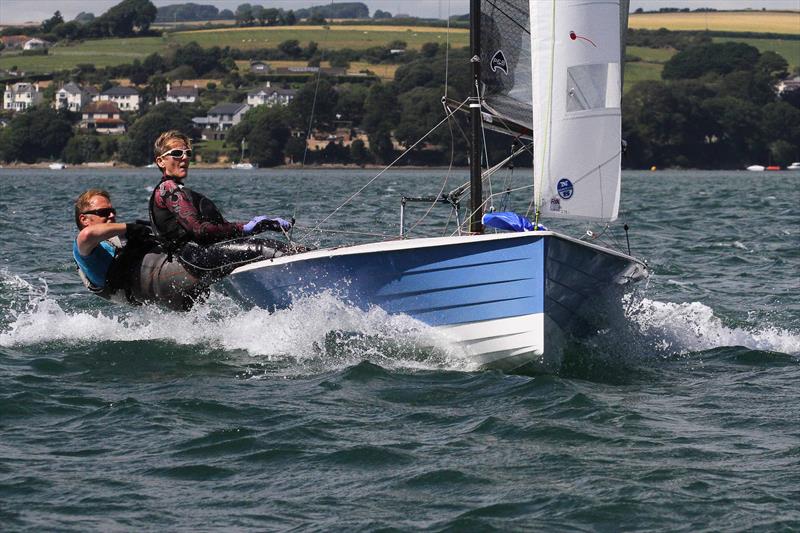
point(449, 125)
point(444, 183)
point(305, 147)
point(447, 51)
point(379, 174)
point(483, 138)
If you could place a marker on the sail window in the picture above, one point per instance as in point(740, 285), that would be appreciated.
point(593, 87)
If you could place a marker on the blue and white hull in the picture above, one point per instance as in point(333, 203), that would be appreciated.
point(507, 300)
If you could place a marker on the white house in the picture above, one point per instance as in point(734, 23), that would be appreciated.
point(21, 96)
point(260, 67)
point(181, 94)
point(102, 117)
point(220, 119)
point(787, 85)
point(35, 44)
point(126, 98)
point(73, 97)
point(270, 96)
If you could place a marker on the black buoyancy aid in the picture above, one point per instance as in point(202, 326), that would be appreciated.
point(165, 225)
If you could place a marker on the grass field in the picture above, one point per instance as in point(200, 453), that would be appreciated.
point(100, 53)
point(328, 37)
point(108, 52)
point(384, 72)
point(640, 71)
point(752, 21)
point(790, 50)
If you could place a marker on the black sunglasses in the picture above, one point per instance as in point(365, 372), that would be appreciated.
point(177, 153)
point(104, 212)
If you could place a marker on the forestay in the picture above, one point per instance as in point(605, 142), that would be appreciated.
point(577, 84)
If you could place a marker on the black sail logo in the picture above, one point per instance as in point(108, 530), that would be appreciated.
point(498, 62)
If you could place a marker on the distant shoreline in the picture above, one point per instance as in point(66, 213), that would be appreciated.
point(217, 166)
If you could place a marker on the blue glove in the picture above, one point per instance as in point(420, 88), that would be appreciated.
point(253, 226)
point(283, 225)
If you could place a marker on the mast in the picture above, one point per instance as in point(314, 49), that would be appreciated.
point(475, 186)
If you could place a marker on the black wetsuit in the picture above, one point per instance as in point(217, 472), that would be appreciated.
point(191, 227)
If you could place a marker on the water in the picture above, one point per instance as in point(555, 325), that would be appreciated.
point(683, 417)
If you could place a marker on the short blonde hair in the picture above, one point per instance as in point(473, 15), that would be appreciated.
point(165, 139)
point(84, 202)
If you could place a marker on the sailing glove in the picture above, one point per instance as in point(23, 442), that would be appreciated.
point(253, 226)
point(280, 224)
point(262, 223)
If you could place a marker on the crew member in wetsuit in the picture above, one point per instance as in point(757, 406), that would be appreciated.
point(97, 249)
point(191, 227)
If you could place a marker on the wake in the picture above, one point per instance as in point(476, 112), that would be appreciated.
point(680, 328)
point(312, 330)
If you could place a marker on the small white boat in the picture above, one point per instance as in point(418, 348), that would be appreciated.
point(242, 165)
point(794, 166)
point(57, 166)
point(756, 168)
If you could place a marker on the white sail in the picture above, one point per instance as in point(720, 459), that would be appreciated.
point(576, 71)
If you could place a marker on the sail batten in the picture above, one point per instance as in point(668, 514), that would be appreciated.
point(576, 77)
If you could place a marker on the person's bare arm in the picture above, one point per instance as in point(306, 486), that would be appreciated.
point(91, 236)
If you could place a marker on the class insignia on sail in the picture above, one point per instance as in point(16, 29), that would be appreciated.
point(498, 62)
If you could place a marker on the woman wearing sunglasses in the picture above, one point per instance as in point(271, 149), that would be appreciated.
point(135, 271)
point(191, 227)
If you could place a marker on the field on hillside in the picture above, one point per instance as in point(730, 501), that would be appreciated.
point(384, 72)
point(790, 50)
point(100, 53)
point(328, 37)
point(753, 21)
point(108, 52)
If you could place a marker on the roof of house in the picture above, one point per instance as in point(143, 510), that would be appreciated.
point(11, 40)
point(268, 91)
point(121, 91)
point(23, 87)
point(103, 106)
point(182, 91)
point(227, 109)
point(72, 88)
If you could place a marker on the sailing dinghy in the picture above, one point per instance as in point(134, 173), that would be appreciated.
point(510, 301)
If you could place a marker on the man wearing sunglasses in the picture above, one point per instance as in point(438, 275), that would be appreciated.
point(98, 244)
point(190, 226)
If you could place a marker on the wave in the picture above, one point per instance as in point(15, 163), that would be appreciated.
point(319, 333)
point(322, 333)
point(680, 328)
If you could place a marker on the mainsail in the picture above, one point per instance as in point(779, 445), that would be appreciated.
point(577, 87)
point(506, 66)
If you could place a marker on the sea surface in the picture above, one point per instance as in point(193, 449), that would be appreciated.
point(682, 416)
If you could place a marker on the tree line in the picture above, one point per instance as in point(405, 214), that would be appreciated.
point(715, 107)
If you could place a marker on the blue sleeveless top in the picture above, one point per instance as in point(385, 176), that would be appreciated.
point(97, 263)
